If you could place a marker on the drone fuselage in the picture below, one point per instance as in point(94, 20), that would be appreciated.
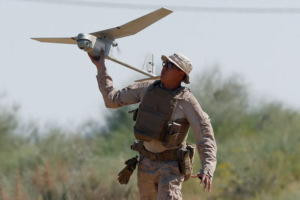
point(93, 45)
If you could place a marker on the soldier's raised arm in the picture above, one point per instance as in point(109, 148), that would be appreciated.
point(116, 98)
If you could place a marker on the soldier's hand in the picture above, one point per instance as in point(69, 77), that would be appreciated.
point(98, 62)
point(204, 179)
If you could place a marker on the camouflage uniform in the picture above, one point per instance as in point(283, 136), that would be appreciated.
point(159, 180)
point(162, 179)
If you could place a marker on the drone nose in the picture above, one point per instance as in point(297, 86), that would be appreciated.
point(83, 44)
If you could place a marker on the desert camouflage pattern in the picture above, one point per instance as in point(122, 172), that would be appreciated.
point(182, 62)
point(159, 180)
point(187, 107)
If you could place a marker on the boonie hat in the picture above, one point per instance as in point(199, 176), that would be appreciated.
point(182, 62)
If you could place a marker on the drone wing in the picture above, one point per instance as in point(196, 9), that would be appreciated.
point(58, 40)
point(134, 26)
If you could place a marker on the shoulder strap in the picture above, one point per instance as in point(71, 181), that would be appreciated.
point(178, 91)
point(153, 85)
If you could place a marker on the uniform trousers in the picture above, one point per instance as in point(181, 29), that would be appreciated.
point(159, 180)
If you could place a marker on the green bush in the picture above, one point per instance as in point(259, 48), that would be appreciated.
point(258, 151)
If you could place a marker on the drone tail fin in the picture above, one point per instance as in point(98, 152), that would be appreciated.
point(149, 63)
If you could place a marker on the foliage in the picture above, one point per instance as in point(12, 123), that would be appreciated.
point(258, 151)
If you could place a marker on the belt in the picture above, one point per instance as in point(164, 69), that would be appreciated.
point(168, 155)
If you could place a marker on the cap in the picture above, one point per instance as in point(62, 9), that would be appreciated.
point(182, 62)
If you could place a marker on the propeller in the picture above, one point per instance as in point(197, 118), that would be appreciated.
point(119, 52)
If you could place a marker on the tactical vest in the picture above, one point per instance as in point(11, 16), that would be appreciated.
point(154, 117)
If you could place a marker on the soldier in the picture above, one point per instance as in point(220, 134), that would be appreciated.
point(162, 123)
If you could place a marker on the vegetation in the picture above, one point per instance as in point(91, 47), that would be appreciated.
point(258, 151)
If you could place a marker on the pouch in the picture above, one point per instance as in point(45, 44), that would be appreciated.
point(171, 136)
point(186, 160)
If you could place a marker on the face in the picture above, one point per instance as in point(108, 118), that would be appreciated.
point(170, 73)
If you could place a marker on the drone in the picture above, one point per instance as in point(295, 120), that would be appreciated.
point(94, 42)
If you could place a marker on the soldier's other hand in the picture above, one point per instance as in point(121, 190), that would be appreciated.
point(204, 179)
point(99, 62)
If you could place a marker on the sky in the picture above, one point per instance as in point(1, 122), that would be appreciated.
point(57, 83)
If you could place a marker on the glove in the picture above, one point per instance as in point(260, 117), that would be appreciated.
point(124, 175)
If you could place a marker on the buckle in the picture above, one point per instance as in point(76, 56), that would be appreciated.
point(153, 156)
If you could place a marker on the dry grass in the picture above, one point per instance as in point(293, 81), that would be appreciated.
point(3, 194)
point(258, 152)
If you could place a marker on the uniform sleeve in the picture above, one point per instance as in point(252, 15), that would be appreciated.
point(117, 98)
point(204, 135)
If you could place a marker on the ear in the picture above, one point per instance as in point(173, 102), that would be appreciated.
point(181, 74)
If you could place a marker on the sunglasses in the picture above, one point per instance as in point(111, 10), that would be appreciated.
point(168, 64)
